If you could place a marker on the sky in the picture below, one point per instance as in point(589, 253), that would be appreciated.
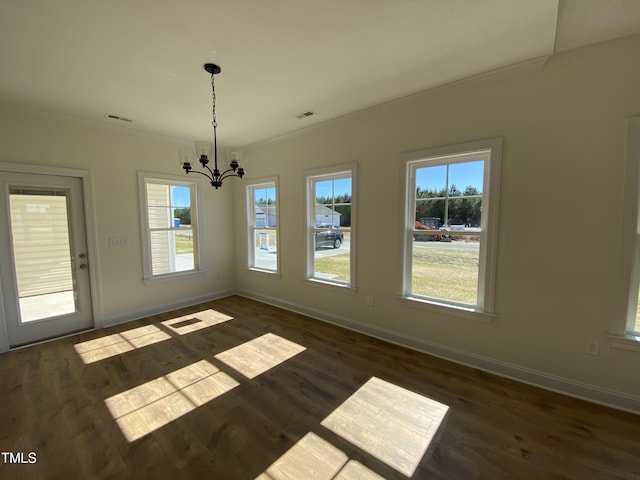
point(462, 175)
point(265, 194)
point(340, 186)
point(181, 197)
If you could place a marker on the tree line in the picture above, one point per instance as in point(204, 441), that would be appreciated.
point(464, 206)
point(452, 206)
point(184, 214)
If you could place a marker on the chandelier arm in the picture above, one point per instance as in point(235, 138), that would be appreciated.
point(227, 174)
point(210, 171)
point(227, 171)
point(204, 174)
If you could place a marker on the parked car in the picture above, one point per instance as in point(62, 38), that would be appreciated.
point(329, 238)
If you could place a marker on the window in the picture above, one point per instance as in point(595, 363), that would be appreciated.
point(626, 329)
point(262, 221)
point(632, 325)
point(451, 224)
point(169, 218)
point(330, 226)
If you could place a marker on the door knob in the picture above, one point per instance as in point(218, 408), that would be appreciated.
point(83, 255)
point(84, 266)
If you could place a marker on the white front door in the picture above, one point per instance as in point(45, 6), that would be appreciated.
point(43, 257)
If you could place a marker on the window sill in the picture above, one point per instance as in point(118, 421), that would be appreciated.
point(262, 271)
point(625, 342)
point(467, 313)
point(174, 276)
point(336, 287)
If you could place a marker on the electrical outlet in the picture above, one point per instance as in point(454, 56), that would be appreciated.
point(592, 347)
point(370, 300)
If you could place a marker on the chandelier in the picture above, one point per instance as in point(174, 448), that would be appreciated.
point(203, 148)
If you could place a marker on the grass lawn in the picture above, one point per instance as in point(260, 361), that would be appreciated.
point(445, 273)
point(337, 265)
point(437, 272)
point(184, 241)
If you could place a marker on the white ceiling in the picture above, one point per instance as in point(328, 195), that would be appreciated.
point(142, 59)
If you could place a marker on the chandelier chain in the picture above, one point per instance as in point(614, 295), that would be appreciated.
point(213, 97)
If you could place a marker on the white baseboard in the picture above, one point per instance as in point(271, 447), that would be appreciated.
point(166, 308)
point(583, 391)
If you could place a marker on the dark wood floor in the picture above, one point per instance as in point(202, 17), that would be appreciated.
point(158, 399)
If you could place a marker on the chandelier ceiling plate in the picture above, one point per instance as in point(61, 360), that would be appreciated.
point(212, 68)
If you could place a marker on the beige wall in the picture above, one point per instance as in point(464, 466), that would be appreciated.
point(114, 156)
point(564, 137)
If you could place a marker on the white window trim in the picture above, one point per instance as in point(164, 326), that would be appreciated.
point(621, 331)
point(484, 310)
point(143, 177)
point(266, 182)
point(348, 170)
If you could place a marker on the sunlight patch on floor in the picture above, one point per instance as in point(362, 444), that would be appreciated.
point(195, 321)
point(147, 407)
point(118, 343)
point(314, 457)
point(260, 354)
point(389, 422)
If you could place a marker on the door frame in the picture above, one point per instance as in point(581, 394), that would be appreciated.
point(91, 235)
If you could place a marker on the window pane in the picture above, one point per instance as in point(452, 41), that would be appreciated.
point(324, 192)
point(467, 177)
point(180, 196)
point(42, 254)
point(430, 213)
point(431, 181)
point(465, 211)
point(332, 259)
point(327, 217)
point(342, 189)
point(159, 217)
point(446, 270)
point(333, 203)
point(181, 203)
point(266, 249)
point(265, 207)
point(172, 251)
point(157, 195)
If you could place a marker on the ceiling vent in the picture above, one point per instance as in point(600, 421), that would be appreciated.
point(306, 114)
point(117, 117)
